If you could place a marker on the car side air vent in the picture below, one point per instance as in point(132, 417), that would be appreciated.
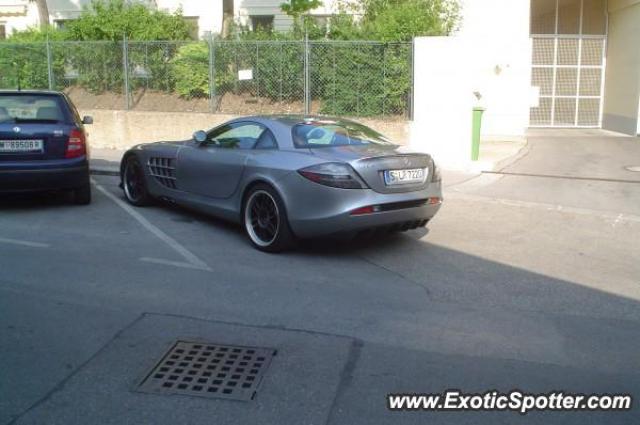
point(164, 171)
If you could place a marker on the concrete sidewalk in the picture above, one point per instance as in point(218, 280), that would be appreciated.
point(583, 169)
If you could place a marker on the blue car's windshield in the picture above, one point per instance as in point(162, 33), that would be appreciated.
point(326, 133)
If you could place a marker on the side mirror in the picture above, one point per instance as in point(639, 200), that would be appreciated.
point(200, 136)
point(87, 119)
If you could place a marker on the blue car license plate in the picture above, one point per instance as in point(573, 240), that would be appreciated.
point(20, 146)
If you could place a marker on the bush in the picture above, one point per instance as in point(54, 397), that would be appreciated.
point(190, 70)
point(114, 19)
point(362, 79)
point(279, 70)
point(23, 59)
point(97, 65)
point(401, 20)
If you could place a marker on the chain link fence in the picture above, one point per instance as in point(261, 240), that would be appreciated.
point(350, 78)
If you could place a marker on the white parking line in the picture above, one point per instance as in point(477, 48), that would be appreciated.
point(24, 243)
point(182, 264)
point(193, 262)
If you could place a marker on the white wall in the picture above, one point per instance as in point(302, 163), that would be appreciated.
point(443, 99)
point(23, 15)
point(243, 9)
point(209, 12)
point(496, 36)
point(491, 55)
point(622, 81)
point(65, 9)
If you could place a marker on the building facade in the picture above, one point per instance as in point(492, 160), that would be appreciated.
point(16, 15)
point(528, 63)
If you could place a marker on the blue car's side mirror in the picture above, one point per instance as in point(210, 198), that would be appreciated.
point(200, 136)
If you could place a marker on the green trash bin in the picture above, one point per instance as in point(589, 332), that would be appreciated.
point(475, 136)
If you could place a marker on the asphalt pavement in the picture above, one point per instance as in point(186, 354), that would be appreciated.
point(519, 283)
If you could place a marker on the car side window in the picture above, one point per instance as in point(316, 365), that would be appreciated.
point(266, 141)
point(242, 135)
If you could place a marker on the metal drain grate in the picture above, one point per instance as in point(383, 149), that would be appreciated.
point(209, 370)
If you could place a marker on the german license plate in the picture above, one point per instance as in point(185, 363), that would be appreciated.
point(396, 177)
point(20, 146)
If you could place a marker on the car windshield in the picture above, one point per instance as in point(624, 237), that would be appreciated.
point(30, 108)
point(319, 134)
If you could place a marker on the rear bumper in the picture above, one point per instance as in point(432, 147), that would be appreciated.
point(316, 210)
point(47, 175)
point(409, 218)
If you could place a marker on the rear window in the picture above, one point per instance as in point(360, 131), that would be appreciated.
point(318, 134)
point(31, 108)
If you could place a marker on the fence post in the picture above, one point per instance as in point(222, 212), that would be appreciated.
point(307, 93)
point(49, 64)
point(384, 80)
point(125, 65)
point(212, 75)
point(257, 76)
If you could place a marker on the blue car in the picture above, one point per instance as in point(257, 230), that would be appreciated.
point(43, 144)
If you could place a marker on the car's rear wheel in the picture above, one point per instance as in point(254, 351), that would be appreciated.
point(82, 195)
point(134, 184)
point(265, 220)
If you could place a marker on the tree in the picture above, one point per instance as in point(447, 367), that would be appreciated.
point(297, 8)
point(111, 19)
point(43, 12)
point(227, 17)
point(401, 20)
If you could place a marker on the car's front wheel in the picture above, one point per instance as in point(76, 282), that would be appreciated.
point(265, 220)
point(134, 184)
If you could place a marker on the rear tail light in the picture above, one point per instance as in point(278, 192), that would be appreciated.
point(77, 145)
point(334, 174)
point(435, 175)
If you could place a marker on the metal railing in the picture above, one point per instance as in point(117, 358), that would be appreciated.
point(351, 78)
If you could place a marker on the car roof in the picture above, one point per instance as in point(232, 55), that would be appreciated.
point(46, 92)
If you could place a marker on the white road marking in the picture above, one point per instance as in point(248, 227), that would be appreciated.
point(24, 243)
point(192, 260)
point(172, 263)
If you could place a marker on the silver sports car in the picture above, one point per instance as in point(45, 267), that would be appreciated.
point(288, 177)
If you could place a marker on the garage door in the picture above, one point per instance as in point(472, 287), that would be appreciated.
point(568, 73)
point(569, 41)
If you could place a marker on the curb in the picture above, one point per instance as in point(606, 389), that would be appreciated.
point(103, 172)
